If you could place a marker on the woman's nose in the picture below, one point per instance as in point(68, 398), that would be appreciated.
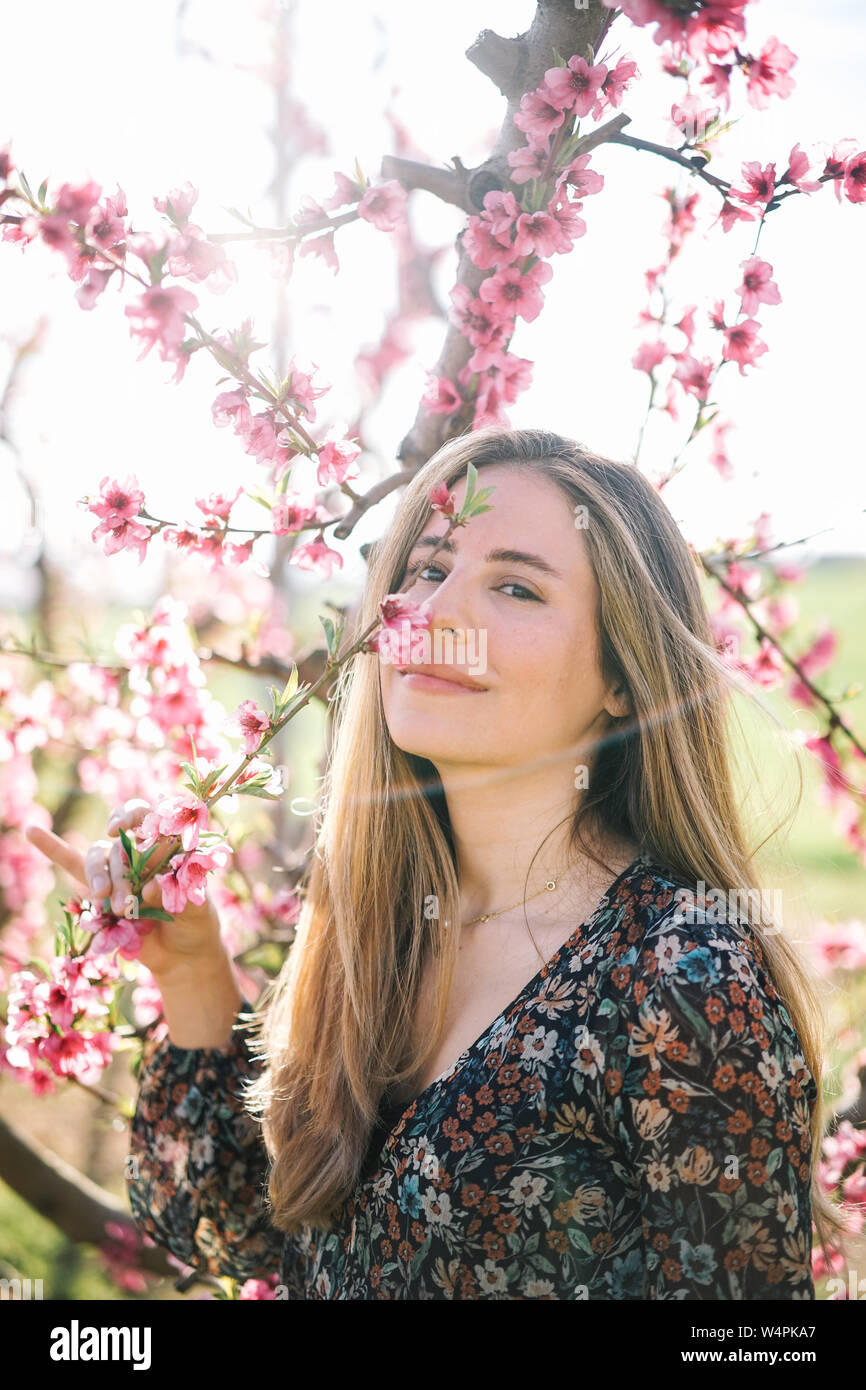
point(452, 604)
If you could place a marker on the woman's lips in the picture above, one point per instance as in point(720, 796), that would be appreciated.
point(435, 684)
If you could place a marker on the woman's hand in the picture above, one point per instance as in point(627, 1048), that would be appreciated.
point(189, 939)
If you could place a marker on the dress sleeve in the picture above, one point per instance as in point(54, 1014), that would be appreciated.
point(197, 1161)
point(710, 1103)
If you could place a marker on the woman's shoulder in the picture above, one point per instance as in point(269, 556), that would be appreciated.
point(676, 941)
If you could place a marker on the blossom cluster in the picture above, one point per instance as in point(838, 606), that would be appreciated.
point(514, 239)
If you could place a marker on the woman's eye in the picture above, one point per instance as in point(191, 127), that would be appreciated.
point(524, 596)
point(525, 593)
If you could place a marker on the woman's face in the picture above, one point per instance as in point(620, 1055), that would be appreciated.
point(532, 617)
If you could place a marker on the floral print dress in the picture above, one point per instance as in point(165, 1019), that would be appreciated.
point(635, 1125)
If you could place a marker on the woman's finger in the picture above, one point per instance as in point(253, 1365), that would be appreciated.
point(97, 870)
point(121, 888)
point(59, 852)
point(130, 814)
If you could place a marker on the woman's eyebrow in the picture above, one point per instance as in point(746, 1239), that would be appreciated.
point(512, 557)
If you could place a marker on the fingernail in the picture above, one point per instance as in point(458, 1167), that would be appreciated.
point(100, 883)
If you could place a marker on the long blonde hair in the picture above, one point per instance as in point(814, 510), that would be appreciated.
point(336, 1025)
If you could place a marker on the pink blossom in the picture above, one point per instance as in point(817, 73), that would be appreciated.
point(251, 722)
point(643, 12)
point(730, 213)
point(289, 513)
point(834, 165)
point(577, 85)
point(819, 656)
point(686, 324)
point(484, 248)
point(539, 234)
point(760, 183)
point(649, 356)
point(618, 79)
point(580, 177)
point(478, 322)
point(384, 205)
point(123, 535)
point(839, 946)
point(564, 214)
point(346, 190)
point(757, 287)
point(106, 225)
point(797, 170)
point(184, 815)
point(218, 504)
point(502, 210)
point(88, 293)
point(716, 29)
point(718, 456)
point(337, 461)
point(768, 667)
point(116, 933)
point(77, 201)
point(540, 114)
point(742, 344)
point(260, 437)
point(854, 182)
point(232, 408)
point(323, 247)
point(157, 319)
point(196, 258)
point(511, 292)
point(118, 501)
point(6, 165)
point(178, 203)
point(529, 162)
point(695, 376)
point(441, 396)
point(185, 879)
point(514, 375)
point(300, 389)
point(769, 74)
point(442, 500)
point(84, 1056)
point(402, 622)
point(316, 557)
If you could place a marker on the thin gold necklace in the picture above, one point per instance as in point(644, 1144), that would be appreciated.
point(549, 887)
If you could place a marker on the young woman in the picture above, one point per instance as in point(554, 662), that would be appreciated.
point(504, 1059)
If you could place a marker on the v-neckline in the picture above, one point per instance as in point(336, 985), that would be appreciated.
point(394, 1115)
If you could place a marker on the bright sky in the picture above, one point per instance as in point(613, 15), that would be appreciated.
point(111, 94)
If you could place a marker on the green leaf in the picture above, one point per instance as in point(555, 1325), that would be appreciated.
point(290, 687)
point(210, 781)
point(330, 635)
point(43, 189)
point(252, 789)
point(39, 963)
point(128, 847)
point(255, 494)
point(266, 955)
point(156, 912)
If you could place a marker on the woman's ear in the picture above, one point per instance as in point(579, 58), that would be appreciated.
point(617, 701)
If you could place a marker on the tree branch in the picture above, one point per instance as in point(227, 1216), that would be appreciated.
point(448, 184)
point(77, 1206)
point(516, 66)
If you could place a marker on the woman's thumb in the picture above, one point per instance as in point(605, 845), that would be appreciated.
point(151, 893)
